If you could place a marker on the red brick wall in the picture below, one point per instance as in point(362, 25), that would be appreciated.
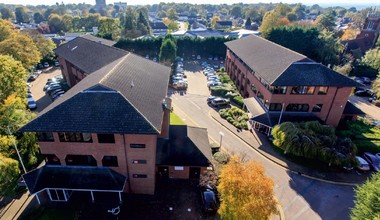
point(182, 174)
point(121, 149)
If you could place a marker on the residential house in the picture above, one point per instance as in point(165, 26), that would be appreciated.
point(104, 133)
point(282, 85)
point(159, 28)
point(223, 25)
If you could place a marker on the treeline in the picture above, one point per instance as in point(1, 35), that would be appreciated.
point(186, 46)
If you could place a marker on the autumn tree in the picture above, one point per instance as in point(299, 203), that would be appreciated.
point(272, 19)
point(67, 23)
point(245, 191)
point(44, 45)
point(12, 77)
point(214, 19)
point(330, 48)
point(172, 14)
point(9, 171)
point(350, 33)
point(6, 29)
point(6, 13)
point(367, 199)
point(108, 26)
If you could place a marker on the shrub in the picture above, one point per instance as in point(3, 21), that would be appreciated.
point(235, 116)
point(221, 157)
point(238, 100)
point(219, 91)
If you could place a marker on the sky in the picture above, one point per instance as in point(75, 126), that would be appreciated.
point(345, 3)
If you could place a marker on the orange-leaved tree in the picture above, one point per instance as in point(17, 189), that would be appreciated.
point(245, 191)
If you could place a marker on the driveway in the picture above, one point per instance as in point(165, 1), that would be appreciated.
point(300, 197)
point(363, 104)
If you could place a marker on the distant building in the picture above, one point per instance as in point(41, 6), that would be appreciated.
point(120, 4)
point(223, 25)
point(100, 3)
point(159, 28)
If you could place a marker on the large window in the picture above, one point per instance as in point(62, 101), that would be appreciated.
point(52, 159)
point(275, 107)
point(110, 161)
point(308, 90)
point(74, 137)
point(106, 138)
point(45, 136)
point(323, 90)
point(137, 145)
point(80, 160)
point(297, 108)
point(277, 89)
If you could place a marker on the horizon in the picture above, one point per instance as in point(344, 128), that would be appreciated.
point(323, 3)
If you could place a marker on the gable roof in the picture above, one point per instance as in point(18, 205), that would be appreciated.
point(187, 146)
point(122, 97)
point(280, 66)
point(99, 40)
point(88, 55)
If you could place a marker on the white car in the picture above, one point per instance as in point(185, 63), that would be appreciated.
point(362, 164)
point(32, 103)
point(213, 83)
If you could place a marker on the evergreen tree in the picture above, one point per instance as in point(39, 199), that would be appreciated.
point(168, 51)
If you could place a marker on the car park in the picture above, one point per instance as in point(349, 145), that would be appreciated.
point(372, 160)
point(217, 102)
point(362, 164)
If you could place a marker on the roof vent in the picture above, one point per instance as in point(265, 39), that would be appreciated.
point(132, 84)
point(74, 48)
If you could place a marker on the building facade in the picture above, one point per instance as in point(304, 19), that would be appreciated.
point(285, 83)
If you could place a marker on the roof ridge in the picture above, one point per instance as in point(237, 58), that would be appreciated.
point(113, 69)
point(112, 47)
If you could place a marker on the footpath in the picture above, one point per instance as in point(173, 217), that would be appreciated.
point(261, 144)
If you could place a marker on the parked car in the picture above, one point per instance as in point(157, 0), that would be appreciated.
point(56, 63)
point(209, 99)
point(52, 88)
point(359, 80)
point(364, 93)
point(32, 77)
point(209, 204)
point(32, 103)
point(217, 102)
point(48, 84)
point(213, 83)
point(57, 94)
point(46, 65)
point(56, 91)
point(366, 80)
point(373, 160)
point(180, 85)
point(155, 59)
point(362, 164)
point(198, 57)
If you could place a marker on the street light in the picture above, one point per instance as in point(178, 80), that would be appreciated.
point(18, 153)
point(221, 137)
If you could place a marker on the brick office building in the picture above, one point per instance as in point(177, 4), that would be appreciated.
point(282, 85)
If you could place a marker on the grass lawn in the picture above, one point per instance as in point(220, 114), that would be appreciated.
point(175, 120)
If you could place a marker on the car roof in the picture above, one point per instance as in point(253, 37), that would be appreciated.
point(372, 156)
point(361, 160)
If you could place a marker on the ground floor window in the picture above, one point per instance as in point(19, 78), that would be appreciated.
point(59, 195)
point(110, 161)
point(80, 160)
point(297, 108)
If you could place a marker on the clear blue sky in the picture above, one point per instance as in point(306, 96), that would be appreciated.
point(139, 2)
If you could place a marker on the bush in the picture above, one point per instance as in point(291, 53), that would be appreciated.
point(238, 100)
point(221, 157)
point(235, 116)
point(220, 91)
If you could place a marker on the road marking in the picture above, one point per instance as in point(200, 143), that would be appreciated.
point(195, 104)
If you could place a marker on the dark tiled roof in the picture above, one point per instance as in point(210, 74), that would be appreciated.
point(224, 23)
point(312, 74)
point(158, 25)
point(98, 39)
point(88, 55)
point(187, 146)
point(74, 177)
point(122, 97)
point(351, 109)
point(264, 57)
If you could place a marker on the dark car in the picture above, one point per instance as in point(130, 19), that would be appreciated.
point(364, 93)
point(52, 88)
point(373, 160)
point(209, 99)
point(209, 204)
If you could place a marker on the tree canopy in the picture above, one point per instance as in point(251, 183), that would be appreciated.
point(367, 199)
point(168, 51)
point(245, 191)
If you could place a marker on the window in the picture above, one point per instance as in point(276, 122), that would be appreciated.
point(140, 176)
point(317, 108)
point(322, 90)
point(52, 159)
point(106, 138)
point(110, 161)
point(277, 89)
point(275, 107)
point(45, 136)
point(309, 90)
point(370, 25)
point(138, 161)
point(74, 137)
point(80, 160)
point(137, 145)
point(253, 87)
point(297, 108)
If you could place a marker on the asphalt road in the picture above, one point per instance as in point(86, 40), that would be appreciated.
point(300, 197)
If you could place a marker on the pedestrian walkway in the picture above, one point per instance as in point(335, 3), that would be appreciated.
point(261, 144)
point(16, 207)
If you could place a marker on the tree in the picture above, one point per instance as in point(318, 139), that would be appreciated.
point(245, 191)
point(367, 199)
point(9, 171)
point(92, 20)
point(291, 16)
point(376, 86)
point(55, 23)
point(168, 51)
point(248, 23)
point(325, 21)
point(77, 23)
point(236, 12)
point(6, 13)
point(47, 13)
point(350, 33)
point(330, 48)
point(130, 19)
point(6, 29)
point(172, 14)
point(272, 19)
point(251, 13)
point(21, 15)
point(214, 19)
point(38, 17)
point(67, 22)
point(372, 59)
point(299, 10)
point(21, 48)
point(172, 26)
point(12, 77)
point(44, 45)
point(108, 25)
point(345, 69)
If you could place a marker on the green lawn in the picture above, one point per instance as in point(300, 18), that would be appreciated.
point(175, 120)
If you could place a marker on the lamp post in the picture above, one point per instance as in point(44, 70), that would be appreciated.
point(221, 138)
point(18, 153)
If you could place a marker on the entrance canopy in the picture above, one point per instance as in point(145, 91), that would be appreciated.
point(78, 178)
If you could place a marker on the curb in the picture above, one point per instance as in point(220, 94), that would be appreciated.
point(279, 164)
